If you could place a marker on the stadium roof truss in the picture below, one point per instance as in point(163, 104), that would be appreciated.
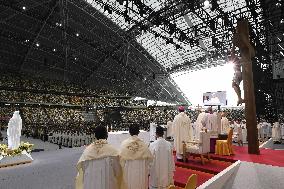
point(132, 45)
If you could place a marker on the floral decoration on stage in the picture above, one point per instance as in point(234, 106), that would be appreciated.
point(24, 146)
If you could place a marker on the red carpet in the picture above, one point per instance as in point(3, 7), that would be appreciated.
point(182, 174)
point(267, 156)
point(213, 166)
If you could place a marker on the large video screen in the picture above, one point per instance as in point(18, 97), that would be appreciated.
point(215, 98)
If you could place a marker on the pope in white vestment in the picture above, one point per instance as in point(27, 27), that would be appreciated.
point(135, 159)
point(14, 131)
point(182, 131)
point(99, 166)
point(163, 166)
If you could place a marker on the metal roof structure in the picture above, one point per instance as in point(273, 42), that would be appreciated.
point(133, 46)
point(70, 40)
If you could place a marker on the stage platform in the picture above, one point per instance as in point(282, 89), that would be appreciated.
point(219, 163)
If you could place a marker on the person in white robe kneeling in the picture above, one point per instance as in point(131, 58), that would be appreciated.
point(163, 166)
point(99, 166)
point(135, 159)
point(182, 132)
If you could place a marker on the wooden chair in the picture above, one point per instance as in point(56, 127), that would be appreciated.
point(225, 147)
point(191, 182)
point(171, 187)
point(200, 147)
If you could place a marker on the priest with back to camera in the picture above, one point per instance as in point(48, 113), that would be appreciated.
point(182, 131)
point(163, 165)
point(135, 159)
point(99, 167)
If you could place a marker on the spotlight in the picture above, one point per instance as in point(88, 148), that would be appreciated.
point(54, 50)
point(24, 8)
point(37, 44)
point(77, 34)
point(75, 58)
point(206, 3)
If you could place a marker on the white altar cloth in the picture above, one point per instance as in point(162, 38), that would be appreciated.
point(115, 138)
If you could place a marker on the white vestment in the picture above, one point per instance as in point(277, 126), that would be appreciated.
point(163, 166)
point(182, 131)
point(225, 125)
point(99, 167)
point(14, 131)
point(210, 122)
point(153, 131)
point(198, 125)
point(169, 129)
point(135, 159)
point(276, 132)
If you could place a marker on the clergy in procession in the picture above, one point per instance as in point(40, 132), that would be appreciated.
point(225, 124)
point(135, 159)
point(99, 166)
point(163, 165)
point(182, 131)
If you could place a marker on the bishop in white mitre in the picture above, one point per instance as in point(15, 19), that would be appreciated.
point(135, 159)
point(99, 166)
point(14, 131)
point(163, 165)
point(182, 131)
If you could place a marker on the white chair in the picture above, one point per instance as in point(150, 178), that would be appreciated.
point(200, 147)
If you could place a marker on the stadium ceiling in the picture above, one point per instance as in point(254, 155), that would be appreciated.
point(196, 34)
point(132, 45)
point(72, 41)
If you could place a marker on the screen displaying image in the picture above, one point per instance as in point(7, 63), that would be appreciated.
point(215, 98)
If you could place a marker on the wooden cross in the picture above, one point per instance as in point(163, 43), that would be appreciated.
point(241, 40)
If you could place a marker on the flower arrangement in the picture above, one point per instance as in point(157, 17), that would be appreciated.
point(24, 146)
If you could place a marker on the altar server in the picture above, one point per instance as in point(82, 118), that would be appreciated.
point(182, 131)
point(99, 166)
point(169, 129)
point(163, 166)
point(135, 158)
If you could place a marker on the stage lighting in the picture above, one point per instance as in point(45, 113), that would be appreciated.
point(77, 34)
point(206, 3)
point(54, 50)
point(37, 44)
point(24, 8)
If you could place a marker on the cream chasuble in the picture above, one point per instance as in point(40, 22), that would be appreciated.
point(99, 167)
point(163, 166)
point(198, 125)
point(135, 158)
point(182, 131)
point(225, 125)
